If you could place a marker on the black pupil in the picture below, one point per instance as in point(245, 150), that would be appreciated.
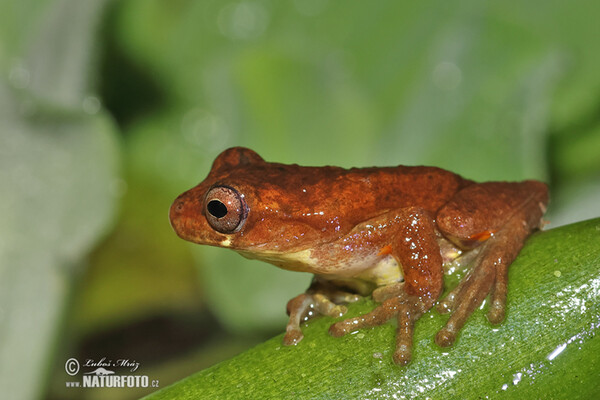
point(217, 209)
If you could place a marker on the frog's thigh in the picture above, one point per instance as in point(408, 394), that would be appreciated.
point(480, 210)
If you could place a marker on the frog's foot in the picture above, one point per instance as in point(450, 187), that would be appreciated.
point(307, 305)
point(489, 275)
point(407, 309)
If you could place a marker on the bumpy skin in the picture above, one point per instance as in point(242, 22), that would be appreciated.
point(385, 231)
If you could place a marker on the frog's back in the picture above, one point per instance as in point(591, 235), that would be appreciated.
point(356, 192)
point(399, 187)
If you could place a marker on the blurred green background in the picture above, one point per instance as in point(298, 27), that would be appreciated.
point(110, 109)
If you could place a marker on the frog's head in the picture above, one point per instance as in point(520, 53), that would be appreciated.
point(213, 211)
point(248, 205)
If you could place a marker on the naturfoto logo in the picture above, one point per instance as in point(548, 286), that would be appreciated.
point(101, 373)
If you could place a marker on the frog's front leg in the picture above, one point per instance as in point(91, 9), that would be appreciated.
point(321, 298)
point(414, 245)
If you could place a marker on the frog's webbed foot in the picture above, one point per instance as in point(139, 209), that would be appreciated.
point(322, 300)
point(407, 309)
point(488, 276)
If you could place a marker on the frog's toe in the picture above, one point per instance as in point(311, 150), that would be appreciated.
point(293, 335)
point(344, 297)
point(445, 338)
point(496, 314)
point(498, 299)
point(324, 306)
point(470, 294)
point(402, 355)
point(447, 303)
point(404, 334)
point(378, 316)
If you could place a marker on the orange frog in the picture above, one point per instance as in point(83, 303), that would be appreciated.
point(380, 231)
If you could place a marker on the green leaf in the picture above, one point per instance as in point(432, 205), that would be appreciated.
point(547, 347)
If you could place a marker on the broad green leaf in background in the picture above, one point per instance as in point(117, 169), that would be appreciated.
point(481, 88)
point(546, 348)
point(19, 19)
point(59, 183)
point(435, 81)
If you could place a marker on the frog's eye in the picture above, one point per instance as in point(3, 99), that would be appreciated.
point(225, 209)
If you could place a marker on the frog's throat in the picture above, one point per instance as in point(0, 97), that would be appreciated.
point(380, 270)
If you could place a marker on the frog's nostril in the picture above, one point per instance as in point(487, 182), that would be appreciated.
point(176, 217)
point(177, 207)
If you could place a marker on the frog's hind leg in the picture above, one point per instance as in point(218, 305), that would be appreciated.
point(504, 238)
